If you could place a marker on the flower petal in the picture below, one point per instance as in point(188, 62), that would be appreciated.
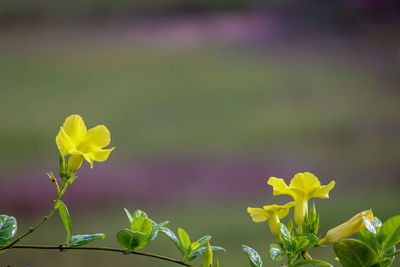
point(64, 143)
point(306, 182)
point(75, 127)
point(97, 137)
point(280, 187)
point(323, 191)
point(75, 161)
point(258, 214)
point(100, 154)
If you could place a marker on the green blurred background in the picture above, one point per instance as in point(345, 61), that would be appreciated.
point(205, 100)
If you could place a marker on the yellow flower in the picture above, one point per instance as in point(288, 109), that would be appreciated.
point(272, 213)
point(302, 187)
point(348, 228)
point(75, 140)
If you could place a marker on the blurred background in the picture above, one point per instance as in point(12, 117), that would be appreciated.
point(205, 100)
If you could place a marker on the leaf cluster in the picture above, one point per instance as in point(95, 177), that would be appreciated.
point(375, 247)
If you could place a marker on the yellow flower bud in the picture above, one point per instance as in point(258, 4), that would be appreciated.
point(348, 228)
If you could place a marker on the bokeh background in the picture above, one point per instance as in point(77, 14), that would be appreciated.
point(205, 100)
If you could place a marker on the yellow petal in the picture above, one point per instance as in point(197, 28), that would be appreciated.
point(75, 127)
point(64, 143)
point(75, 162)
point(280, 187)
point(258, 214)
point(100, 154)
point(323, 191)
point(97, 137)
point(306, 182)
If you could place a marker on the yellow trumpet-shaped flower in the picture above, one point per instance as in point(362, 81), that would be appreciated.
point(302, 187)
point(272, 213)
point(348, 228)
point(75, 140)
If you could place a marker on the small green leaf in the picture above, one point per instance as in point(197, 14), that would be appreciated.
point(254, 257)
point(132, 240)
point(285, 234)
point(202, 250)
point(184, 237)
point(369, 225)
point(173, 238)
point(129, 215)
point(139, 213)
point(80, 240)
point(154, 230)
point(312, 240)
point(8, 228)
point(394, 253)
point(65, 219)
point(142, 224)
point(157, 227)
point(312, 262)
point(377, 223)
point(276, 252)
point(389, 234)
point(203, 240)
point(354, 253)
point(194, 246)
point(301, 242)
point(369, 238)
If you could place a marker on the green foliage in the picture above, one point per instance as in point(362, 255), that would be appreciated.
point(389, 234)
point(8, 228)
point(312, 262)
point(167, 232)
point(65, 219)
point(354, 253)
point(202, 250)
point(132, 240)
point(80, 240)
point(254, 257)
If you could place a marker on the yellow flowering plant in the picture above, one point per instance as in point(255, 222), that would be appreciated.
point(76, 144)
point(375, 247)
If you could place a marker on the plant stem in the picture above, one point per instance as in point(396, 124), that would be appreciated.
point(32, 229)
point(61, 248)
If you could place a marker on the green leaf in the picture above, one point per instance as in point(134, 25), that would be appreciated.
point(173, 238)
point(202, 250)
point(154, 230)
point(369, 225)
point(254, 257)
point(132, 240)
point(184, 237)
point(80, 240)
point(194, 246)
point(312, 241)
point(354, 253)
point(8, 228)
point(129, 215)
point(377, 223)
point(142, 224)
point(203, 240)
point(285, 234)
point(139, 213)
point(389, 234)
point(301, 243)
point(394, 253)
point(369, 238)
point(276, 252)
point(312, 262)
point(65, 219)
